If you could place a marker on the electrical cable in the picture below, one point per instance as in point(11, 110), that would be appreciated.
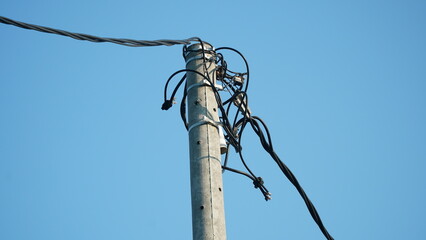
point(169, 103)
point(287, 172)
point(245, 62)
point(235, 131)
point(257, 181)
point(91, 38)
point(183, 108)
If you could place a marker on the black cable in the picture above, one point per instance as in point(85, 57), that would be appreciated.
point(238, 171)
point(168, 103)
point(183, 108)
point(267, 145)
point(245, 62)
point(287, 172)
point(240, 152)
point(257, 182)
point(87, 37)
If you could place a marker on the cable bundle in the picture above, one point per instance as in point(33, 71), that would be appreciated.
point(236, 84)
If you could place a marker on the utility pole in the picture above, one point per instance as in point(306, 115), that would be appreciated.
point(208, 214)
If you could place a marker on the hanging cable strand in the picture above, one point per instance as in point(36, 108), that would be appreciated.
point(267, 145)
point(91, 38)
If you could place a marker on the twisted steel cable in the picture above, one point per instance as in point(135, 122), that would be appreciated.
point(91, 38)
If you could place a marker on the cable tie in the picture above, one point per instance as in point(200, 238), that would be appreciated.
point(203, 121)
point(205, 82)
point(207, 59)
point(258, 182)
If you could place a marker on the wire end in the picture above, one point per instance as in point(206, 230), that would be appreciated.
point(268, 196)
point(167, 105)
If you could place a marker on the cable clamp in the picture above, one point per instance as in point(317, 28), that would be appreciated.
point(199, 47)
point(205, 120)
point(208, 59)
point(219, 87)
point(205, 82)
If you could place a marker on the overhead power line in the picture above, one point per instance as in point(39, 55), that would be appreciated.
point(91, 38)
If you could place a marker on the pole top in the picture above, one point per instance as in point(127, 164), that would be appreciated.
point(198, 51)
point(198, 46)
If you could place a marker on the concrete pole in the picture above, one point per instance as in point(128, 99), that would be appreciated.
point(208, 214)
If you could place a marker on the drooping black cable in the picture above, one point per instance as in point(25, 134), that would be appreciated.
point(238, 171)
point(257, 182)
point(240, 152)
point(183, 108)
point(266, 129)
point(87, 37)
point(267, 145)
point(287, 172)
point(168, 103)
point(177, 87)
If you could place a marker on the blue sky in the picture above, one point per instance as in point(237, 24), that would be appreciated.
point(87, 153)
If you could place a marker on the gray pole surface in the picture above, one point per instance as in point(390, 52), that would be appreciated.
point(208, 215)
